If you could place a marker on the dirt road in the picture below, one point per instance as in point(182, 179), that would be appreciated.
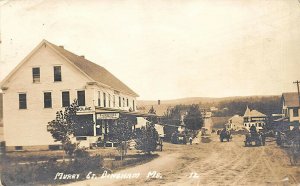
point(213, 163)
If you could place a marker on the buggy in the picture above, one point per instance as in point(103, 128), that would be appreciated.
point(291, 140)
point(253, 139)
point(224, 134)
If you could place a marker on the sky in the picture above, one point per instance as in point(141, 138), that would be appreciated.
point(166, 49)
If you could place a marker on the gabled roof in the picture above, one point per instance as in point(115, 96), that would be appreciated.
point(253, 113)
point(160, 110)
point(291, 99)
point(96, 72)
point(93, 71)
point(247, 112)
point(235, 117)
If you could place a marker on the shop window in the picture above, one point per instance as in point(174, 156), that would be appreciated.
point(99, 127)
point(65, 98)
point(36, 75)
point(84, 125)
point(81, 98)
point(47, 100)
point(57, 73)
point(22, 101)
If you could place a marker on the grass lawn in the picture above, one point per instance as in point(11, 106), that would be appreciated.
point(32, 156)
point(40, 167)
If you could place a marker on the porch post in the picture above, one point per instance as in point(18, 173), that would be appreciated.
point(95, 123)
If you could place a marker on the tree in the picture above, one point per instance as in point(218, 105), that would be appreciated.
point(173, 115)
point(121, 132)
point(147, 139)
point(64, 126)
point(193, 120)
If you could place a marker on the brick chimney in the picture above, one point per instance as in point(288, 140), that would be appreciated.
point(61, 46)
point(158, 102)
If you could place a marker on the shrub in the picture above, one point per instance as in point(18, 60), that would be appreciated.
point(80, 153)
point(147, 140)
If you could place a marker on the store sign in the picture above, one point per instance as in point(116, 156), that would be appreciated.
point(84, 109)
point(108, 116)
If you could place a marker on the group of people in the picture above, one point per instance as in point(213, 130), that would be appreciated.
point(195, 140)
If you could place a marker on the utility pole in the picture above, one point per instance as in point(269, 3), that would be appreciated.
point(298, 82)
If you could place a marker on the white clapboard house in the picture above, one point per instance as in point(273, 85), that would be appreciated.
point(49, 79)
point(254, 118)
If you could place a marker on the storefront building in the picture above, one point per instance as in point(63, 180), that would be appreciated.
point(254, 118)
point(48, 80)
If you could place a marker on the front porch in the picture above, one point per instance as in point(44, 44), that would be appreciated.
point(95, 127)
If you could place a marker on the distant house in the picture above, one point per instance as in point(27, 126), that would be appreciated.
point(213, 109)
point(290, 106)
point(254, 118)
point(235, 123)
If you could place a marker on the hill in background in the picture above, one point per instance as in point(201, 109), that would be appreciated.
point(227, 106)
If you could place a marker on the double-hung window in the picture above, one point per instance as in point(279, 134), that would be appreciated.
point(114, 101)
point(47, 100)
point(99, 98)
point(57, 73)
point(133, 105)
point(104, 99)
point(109, 100)
point(295, 112)
point(22, 101)
point(36, 75)
point(81, 98)
point(65, 98)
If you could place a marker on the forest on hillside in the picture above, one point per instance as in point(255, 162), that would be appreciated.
point(226, 106)
point(267, 105)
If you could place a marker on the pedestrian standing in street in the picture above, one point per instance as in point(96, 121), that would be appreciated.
point(191, 140)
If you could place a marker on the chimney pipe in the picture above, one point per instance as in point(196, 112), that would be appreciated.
point(82, 56)
point(158, 102)
point(61, 46)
